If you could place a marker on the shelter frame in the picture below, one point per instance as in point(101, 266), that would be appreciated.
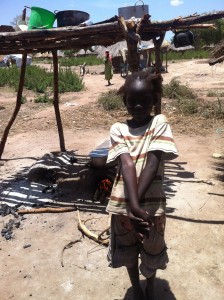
point(75, 37)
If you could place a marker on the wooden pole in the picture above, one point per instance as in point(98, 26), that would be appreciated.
point(17, 107)
point(56, 102)
point(133, 55)
point(166, 63)
point(157, 45)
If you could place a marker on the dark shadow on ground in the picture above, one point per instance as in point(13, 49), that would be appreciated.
point(216, 194)
point(174, 173)
point(162, 290)
point(41, 190)
point(36, 186)
point(194, 221)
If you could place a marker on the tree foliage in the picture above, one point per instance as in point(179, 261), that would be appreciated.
point(209, 36)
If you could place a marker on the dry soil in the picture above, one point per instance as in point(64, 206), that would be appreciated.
point(30, 265)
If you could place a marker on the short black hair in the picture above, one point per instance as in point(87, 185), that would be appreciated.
point(154, 82)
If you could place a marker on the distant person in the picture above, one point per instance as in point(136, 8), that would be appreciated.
point(137, 202)
point(108, 67)
point(82, 69)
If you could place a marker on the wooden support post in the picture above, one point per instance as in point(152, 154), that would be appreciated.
point(56, 101)
point(166, 62)
point(17, 107)
point(133, 55)
point(157, 45)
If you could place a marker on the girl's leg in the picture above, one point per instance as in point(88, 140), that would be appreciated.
point(149, 292)
point(135, 282)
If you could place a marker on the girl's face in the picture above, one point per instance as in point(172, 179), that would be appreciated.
point(139, 101)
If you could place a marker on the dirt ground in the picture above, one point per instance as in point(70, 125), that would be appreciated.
point(31, 262)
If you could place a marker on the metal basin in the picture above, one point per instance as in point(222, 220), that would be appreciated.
point(70, 17)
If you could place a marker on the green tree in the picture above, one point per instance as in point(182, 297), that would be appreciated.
point(209, 36)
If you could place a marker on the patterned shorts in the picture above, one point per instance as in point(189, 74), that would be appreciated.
point(126, 246)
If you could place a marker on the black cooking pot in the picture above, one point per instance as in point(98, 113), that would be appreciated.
point(183, 38)
point(70, 17)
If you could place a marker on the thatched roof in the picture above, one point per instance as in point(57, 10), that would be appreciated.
point(116, 49)
point(113, 49)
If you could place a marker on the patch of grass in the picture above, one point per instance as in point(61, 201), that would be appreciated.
point(190, 54)
point(69, 81)
point(40, 80)
point(175, 90)
point(24, 99)
point(212, 93)
point(9, 77)
point(43, 98)
point(183, 98)
point(186, 102)
point(90, 60)
point(111, 100)
point(186, 106)
point(213, 109)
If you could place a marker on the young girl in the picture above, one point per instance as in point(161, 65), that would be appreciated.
point(108, 67)
point(137, 202)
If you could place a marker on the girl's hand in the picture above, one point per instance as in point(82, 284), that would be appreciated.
point(143, 215)
point(142, 226)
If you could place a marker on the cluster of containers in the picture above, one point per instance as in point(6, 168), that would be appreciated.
point(41, 18)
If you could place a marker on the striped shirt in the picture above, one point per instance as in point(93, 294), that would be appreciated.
point(154, 136)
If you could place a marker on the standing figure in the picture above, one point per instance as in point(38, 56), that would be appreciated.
point(82, 69)
point(108, 67)
point(137, 202)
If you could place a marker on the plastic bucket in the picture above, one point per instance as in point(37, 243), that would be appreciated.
point(41, 18)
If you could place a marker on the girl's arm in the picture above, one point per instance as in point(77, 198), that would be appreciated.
point(149, 172)
point(130, 179)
